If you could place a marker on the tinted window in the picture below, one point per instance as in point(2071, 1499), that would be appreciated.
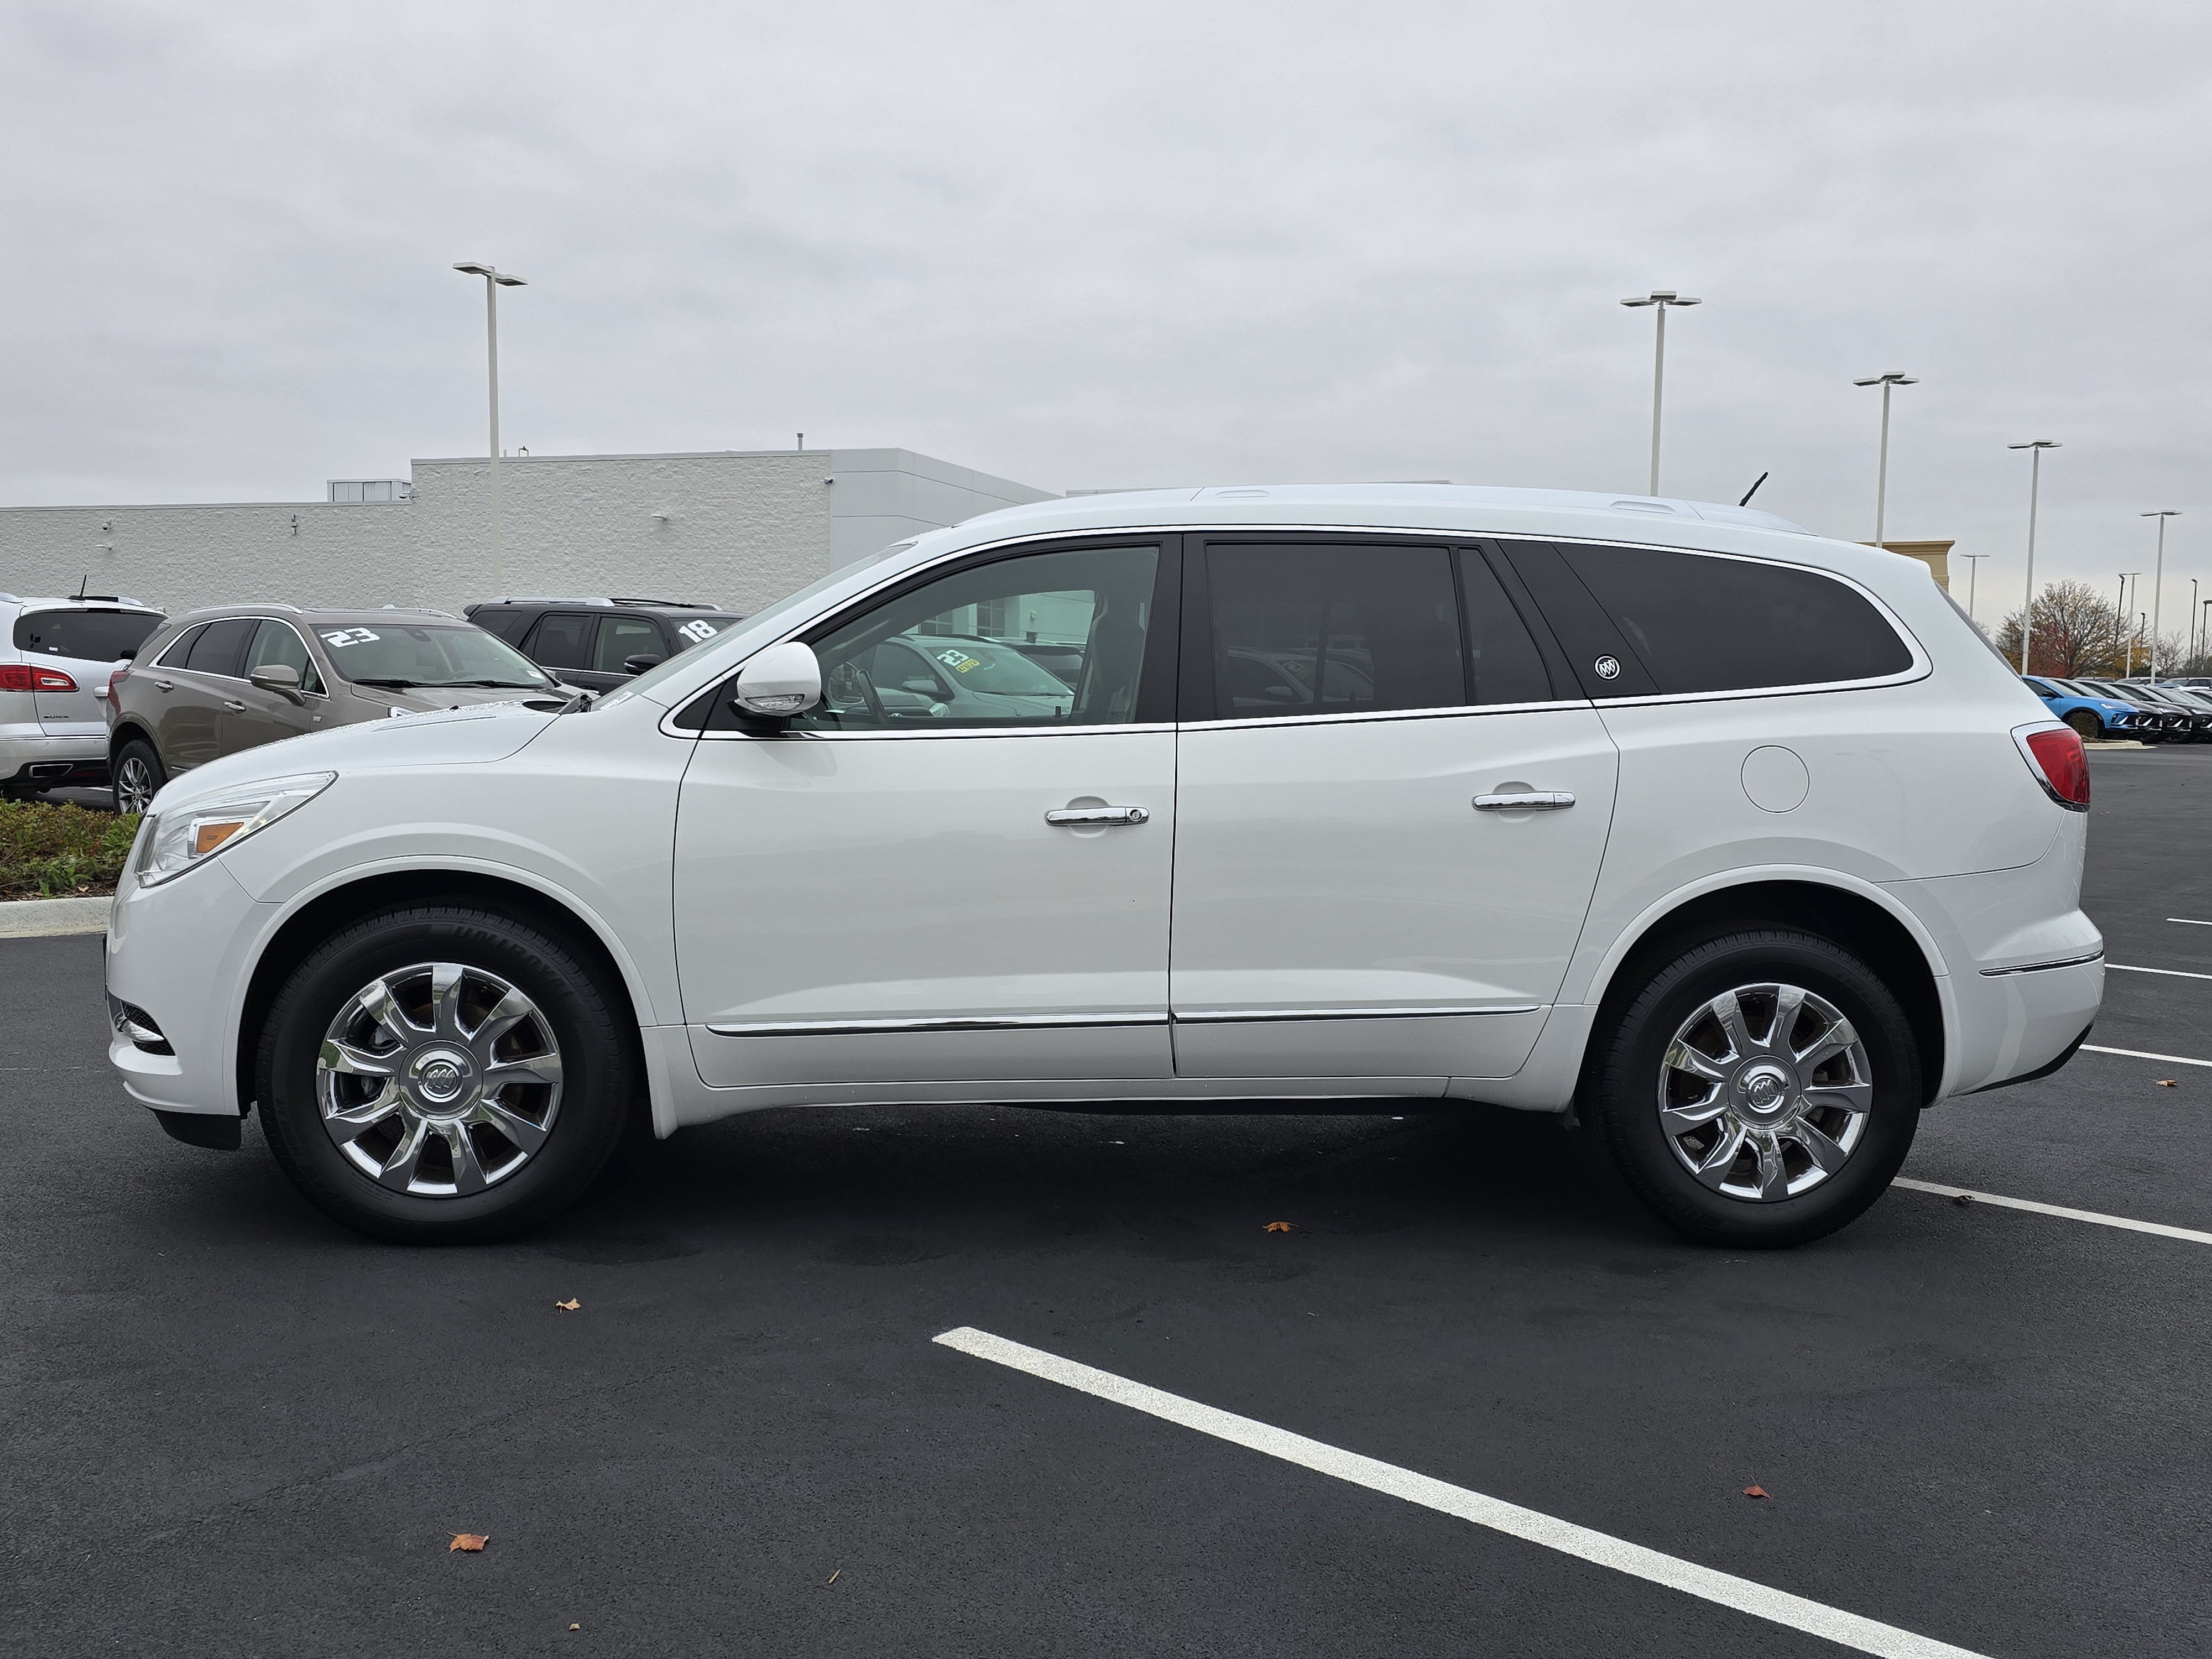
point(563, 640)
point(1701, 623)
point(502, 620)
point(1332, 630)
point(217, 650)
point(943, 655)
point(92, 636)
point(181, 647)
point(698, 630)
point(626, 636)
point(277, 643)
point(1503, 664)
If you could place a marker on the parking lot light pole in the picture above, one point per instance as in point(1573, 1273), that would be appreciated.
point(1659, 299)
point(2120, 621)
point(2035, 446)
point(494, 280)
point(1973, 574)
point(2157, 581)
point(1886, 382)
point(2193, 614)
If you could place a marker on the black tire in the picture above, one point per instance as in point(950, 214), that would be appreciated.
point(2086, 725)
point(589, 1020)
point(134, 758)
point(1627, 1070)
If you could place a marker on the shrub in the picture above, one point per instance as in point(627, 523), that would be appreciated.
point(59, 852)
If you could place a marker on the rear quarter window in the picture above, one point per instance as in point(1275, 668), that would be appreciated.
point(1699, 622)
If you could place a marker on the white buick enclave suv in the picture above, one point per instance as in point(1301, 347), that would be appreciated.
point(1741, 844)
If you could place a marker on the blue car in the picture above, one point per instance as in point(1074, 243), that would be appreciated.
point(2091, 715)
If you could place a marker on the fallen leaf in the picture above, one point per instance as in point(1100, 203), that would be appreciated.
point(569, 1306)
point(473, 1542)
point(1962, 1197)
point(2169, 1083)
point(575, 1627)
point(1279, 1226)
point(1755, 1492)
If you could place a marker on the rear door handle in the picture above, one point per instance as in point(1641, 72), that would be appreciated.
point(234, 708)
point(166, 685)
point(1530, 800)
point(1098, 815)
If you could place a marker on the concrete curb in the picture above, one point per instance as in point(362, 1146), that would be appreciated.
point(47, 918)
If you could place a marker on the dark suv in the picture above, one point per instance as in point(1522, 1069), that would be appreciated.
point(599, 643)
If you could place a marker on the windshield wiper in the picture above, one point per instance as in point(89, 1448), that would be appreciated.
point(513, 685)
point(400, 685)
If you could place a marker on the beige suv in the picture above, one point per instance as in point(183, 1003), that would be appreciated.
point(214, 682)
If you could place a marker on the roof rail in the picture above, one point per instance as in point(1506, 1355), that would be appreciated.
point(668, 605)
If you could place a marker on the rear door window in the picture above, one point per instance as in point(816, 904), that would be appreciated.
point(88, 635)
point(219, 647)
point(1332, 628)
point(562, 639)
point(1701, 623)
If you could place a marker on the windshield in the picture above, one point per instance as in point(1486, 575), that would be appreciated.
point(982, 665)
point(427, 654)
point(763, 617)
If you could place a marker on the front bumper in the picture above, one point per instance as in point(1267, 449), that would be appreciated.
point(183, 951)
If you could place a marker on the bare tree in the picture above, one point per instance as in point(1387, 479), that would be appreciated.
point(2076, 632)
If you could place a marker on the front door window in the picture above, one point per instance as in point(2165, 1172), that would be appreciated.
point(1043, 640)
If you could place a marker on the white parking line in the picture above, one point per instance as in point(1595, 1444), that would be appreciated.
point(2138, 1054)
point(2187, 921)
point(2059, 1209)
point(2170, 973)
point(1778, 1606)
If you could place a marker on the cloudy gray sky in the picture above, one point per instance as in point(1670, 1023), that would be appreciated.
point(1091, 245)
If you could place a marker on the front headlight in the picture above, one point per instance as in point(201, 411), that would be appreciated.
point(181, 838)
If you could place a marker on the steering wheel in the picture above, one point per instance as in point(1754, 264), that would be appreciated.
point(848, 677)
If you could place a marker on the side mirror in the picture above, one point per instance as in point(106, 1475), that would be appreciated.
point(784, 679)
point(639, 663)
point(278, 677)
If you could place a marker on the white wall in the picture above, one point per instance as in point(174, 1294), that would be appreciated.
point(739, 528)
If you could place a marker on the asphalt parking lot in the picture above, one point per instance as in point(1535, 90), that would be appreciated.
point(233, 1428)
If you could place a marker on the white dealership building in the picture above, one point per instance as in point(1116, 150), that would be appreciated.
point(738, 527)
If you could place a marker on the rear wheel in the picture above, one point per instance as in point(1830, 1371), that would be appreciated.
point(2086, 725)
point(1762, 1088)
point(444, 1074)
point(139, 775)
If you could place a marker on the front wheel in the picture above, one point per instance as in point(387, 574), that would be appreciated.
point(2087, 726)
point(441, 1074)
point(1761, 1088)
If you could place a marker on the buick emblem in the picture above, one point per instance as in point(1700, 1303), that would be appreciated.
point(1609, 668)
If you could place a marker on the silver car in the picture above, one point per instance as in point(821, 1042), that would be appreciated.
point(56, 656)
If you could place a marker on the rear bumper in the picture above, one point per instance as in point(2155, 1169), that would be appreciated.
point(31, 759)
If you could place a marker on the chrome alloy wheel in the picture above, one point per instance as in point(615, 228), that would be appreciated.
point(439, 1079)
point(134, 785)
point(1765, 1092)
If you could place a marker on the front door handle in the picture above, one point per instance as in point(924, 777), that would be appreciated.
point(1098, 815)
point(1527, 800)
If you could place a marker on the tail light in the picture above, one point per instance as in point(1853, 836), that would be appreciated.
point(2061, 765)
point(31, 677)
